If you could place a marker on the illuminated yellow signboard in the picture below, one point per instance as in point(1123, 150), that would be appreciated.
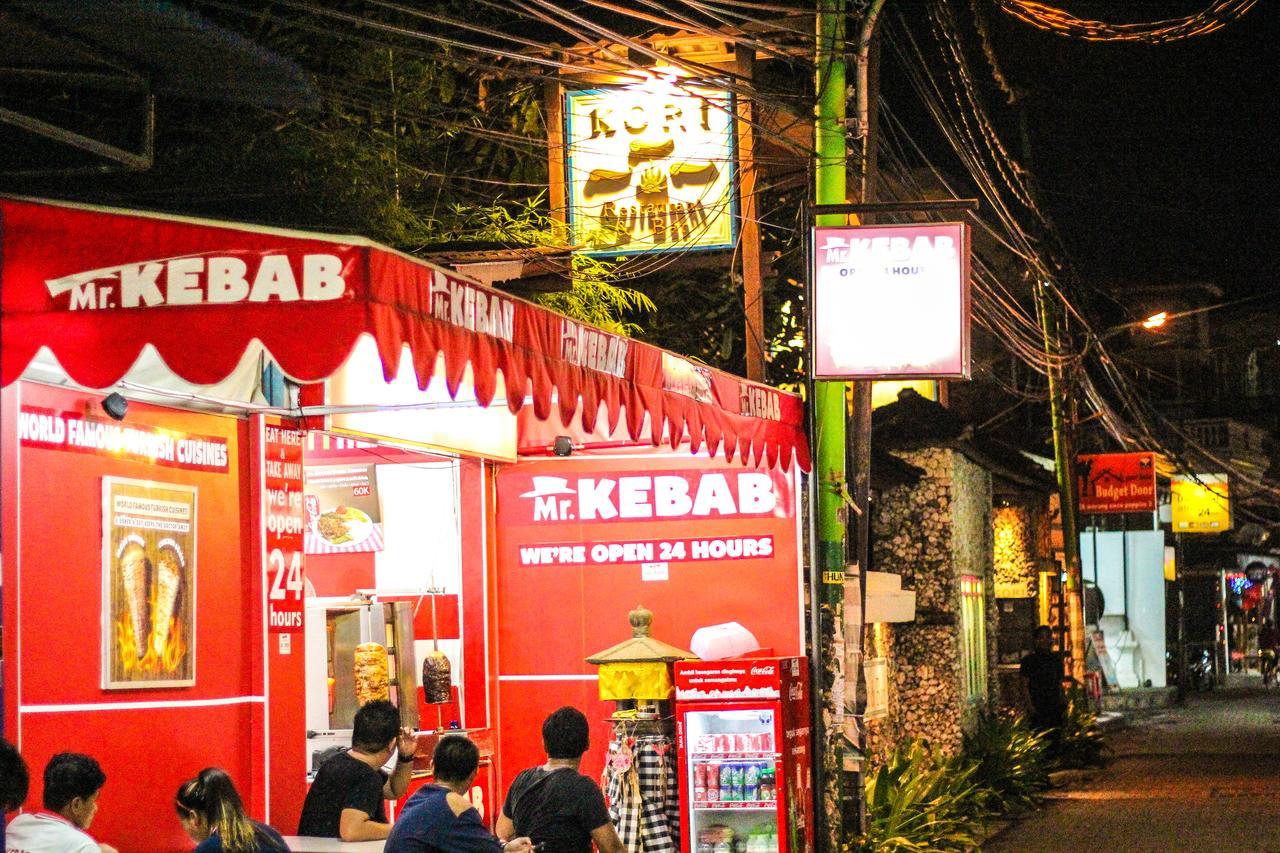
point(650, 168)
point(1201, 505)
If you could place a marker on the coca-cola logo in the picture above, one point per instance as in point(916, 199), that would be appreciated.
point(208, 278)
point(762, 670)
point(711, 494)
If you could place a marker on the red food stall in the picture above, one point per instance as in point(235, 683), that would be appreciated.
point(185, 581)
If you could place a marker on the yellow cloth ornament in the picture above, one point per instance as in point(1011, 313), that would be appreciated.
point(635, 680)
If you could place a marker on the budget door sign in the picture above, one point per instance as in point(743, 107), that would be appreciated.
point(1117, 482)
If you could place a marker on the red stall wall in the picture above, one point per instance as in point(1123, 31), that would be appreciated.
point(147, 740)
point(552, 611)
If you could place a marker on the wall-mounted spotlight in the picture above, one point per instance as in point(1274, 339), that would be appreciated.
point(115, 405)
point(563, 445)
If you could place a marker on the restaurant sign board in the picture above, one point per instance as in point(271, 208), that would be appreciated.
point(1116, 482)
point(649, 168)
point(891, 302)
point(285, 522)
point(1201, 504)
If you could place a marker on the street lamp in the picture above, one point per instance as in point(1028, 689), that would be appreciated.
point(1161, 318)
point(1155, 321)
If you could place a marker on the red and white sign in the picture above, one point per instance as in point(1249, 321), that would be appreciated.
point(891, 302)
point(1116, 482)
point(285, 522)
point(728, 680)
point(554, 512)
point(674, 494)
point(38, 427)
point(96, 285)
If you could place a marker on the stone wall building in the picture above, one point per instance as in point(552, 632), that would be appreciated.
point(937, 534)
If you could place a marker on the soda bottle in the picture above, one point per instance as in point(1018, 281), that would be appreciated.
point(713, 781)
point(726, 782)
point(751, 782)
point(739, 780)
point(700, 782)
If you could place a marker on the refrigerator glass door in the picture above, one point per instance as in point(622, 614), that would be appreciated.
point(733, 776)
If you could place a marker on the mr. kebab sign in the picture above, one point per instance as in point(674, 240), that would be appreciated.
point(651, 513)
point(650, 168)
point(891, 302)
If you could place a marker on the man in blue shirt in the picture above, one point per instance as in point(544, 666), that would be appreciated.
point(439, 818)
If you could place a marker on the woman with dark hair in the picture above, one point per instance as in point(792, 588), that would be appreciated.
point(213, 815)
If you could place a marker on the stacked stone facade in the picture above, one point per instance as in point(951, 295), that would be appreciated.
point(933, 534)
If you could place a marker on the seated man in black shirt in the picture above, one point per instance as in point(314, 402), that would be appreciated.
point(345, 800)
point(555, 805)
point(1042, 683)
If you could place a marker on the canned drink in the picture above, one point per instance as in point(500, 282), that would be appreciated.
point(713, 782)
point(699, 783)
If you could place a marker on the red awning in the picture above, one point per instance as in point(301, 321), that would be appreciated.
point(96, 285)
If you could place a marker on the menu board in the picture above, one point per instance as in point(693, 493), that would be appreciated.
point(343, 512)
point(149, 579)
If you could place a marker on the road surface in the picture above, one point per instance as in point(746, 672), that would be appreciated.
point(1201, 778)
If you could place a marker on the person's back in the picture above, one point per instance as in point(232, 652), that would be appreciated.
point(554, 805)
point(439, 818)
point(343, 782)
point(266, 839)
point(557, 808)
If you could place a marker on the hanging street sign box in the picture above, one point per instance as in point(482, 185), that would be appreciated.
point(1116, 482)
point(891, 301)
point(1201, 504)
point(649, 168)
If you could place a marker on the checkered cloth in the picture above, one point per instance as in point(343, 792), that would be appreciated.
point(640, 779)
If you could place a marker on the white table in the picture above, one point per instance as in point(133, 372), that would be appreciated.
point(311, 844)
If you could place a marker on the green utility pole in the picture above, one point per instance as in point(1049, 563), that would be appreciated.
point(829, 414)
point(1064, 462)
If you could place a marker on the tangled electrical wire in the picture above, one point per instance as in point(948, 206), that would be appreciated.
point(1217, 15)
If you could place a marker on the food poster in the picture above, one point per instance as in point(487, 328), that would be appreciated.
point(149, 584)
point(343, 513)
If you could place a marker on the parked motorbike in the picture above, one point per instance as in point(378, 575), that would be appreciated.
point(1200, 675)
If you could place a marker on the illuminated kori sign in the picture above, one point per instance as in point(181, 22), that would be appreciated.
point(891, 302)
point(650, 168)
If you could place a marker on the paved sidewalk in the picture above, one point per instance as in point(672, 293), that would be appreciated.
point(1201, 778)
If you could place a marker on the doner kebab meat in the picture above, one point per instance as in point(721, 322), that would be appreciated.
point(371, 673)
point(169, 563)
point(133, 575)
point(436, 686)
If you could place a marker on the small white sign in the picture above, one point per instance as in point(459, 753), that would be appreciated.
point(286, 644)
point(654, 571)
point(877, 675)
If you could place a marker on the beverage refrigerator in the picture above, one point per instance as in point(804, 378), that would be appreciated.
point(742, 735)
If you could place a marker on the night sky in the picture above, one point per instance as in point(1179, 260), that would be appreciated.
point(1158, 162)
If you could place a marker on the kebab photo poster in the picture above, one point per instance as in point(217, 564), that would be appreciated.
point(149, 582)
